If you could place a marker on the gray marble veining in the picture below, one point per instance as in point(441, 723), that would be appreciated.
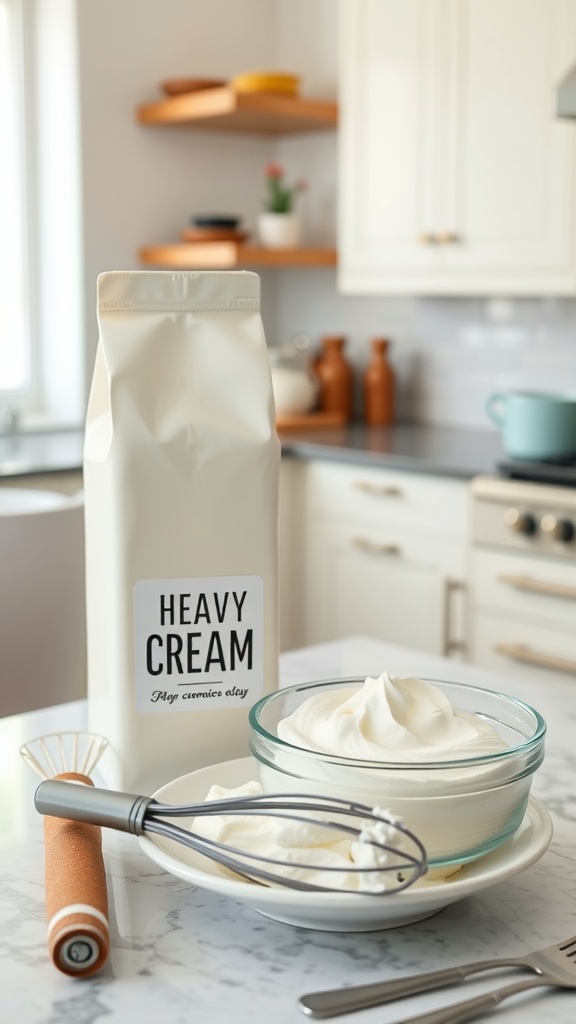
point(181, 954)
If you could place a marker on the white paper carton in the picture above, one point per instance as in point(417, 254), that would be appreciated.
point(181, 467)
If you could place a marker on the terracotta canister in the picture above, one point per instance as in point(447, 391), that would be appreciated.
point(379, 385)
point(336, 377)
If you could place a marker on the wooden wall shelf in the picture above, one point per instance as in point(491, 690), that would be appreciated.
point(225, 109)
point(227, 255)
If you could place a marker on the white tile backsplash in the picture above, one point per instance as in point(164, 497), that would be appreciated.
point(449, 354)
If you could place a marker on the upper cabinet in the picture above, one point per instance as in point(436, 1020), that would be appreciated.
point(456, 176)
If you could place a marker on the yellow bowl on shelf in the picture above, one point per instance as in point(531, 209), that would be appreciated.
point(266, 81)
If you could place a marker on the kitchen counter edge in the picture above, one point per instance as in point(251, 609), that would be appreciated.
point(417, 448)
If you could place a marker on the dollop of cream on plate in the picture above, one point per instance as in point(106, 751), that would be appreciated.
point(304, 850)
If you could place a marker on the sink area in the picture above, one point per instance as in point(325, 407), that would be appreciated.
point(42, 600)
point(46, 451)
point(16, 501)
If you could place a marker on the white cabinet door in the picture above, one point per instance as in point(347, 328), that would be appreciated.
point(290, 553)
point(456, 176)
point(388, 159)
point(382, 584)
point(385, 556)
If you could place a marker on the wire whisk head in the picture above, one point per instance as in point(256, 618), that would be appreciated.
point(59, 752)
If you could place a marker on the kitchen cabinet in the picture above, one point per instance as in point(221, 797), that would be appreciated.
point(290, 552)
point(385, 557)
point(456, 177)
point(523, 611)
point(224, 109)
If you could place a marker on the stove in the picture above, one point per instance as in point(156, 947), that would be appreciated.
point(561, 473)
point(525, 515)
point(522, 582)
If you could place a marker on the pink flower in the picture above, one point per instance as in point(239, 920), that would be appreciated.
point(281, 197)
point(274, 170)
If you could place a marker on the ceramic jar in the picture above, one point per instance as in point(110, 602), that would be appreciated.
point(378, 386)
point(336, 378)
point(294, 384)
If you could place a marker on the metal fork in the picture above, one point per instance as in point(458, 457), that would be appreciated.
point(554, 965)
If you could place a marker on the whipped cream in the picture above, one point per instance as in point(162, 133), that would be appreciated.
point(391, 720)
point(308, 849)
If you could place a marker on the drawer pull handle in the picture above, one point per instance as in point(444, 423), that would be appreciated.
point(538, 586)
point(439, 238)
point(447, 238)
point(373, 548)
point(450, 643)
point(520, 652)
point(384, 490)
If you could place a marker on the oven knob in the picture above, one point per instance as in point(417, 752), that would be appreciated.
point(558, 529)
point(520, 522)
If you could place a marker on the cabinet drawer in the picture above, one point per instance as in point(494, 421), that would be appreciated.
point(519, 648)
point(529, 588)
point(365, 495)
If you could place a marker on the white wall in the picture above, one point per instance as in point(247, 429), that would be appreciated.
point(140, 186)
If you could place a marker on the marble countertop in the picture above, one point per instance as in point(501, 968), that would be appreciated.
point(181, 954)
point(412, 447)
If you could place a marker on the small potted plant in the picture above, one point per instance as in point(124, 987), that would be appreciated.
point(279, 225)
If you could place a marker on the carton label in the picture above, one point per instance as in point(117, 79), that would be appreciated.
point(198, 643)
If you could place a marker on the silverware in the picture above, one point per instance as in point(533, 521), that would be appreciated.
point(554, 965)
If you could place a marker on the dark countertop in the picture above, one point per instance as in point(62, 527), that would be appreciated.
point(416, 448)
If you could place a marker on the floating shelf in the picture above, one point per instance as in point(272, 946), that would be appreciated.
point(225, 255)
point(225, 109)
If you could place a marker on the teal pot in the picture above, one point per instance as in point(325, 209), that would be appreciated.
point(535, 425)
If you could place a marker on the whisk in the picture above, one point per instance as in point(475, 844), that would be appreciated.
point(75, 878)
point(395, 856)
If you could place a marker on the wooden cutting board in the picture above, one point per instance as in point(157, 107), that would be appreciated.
point(311, 421)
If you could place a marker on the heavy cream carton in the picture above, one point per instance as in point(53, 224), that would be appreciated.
point(181, 467)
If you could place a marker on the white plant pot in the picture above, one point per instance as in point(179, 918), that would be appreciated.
point(279, 230)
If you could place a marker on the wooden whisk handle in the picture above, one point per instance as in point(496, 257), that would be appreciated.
point(76, 896)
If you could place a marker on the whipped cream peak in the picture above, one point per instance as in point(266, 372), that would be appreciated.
point(389, 719)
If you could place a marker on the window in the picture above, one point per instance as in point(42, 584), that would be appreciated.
point(42, 327)
point(15, 363)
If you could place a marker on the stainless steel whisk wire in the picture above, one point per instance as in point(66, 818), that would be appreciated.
point(139, 814)
point(220, 850)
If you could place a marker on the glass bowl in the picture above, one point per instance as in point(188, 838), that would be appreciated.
point(459, 809)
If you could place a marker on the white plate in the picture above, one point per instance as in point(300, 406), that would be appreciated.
point(346, 912)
